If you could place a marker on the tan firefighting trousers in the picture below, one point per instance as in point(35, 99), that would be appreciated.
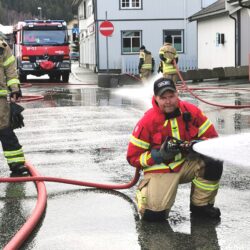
point(172, 77)
point(157, 191)
point(4, 113)
point(145, 74)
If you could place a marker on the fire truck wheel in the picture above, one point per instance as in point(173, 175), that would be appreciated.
point(22, 78)
point(54, 78)
point(65, 77)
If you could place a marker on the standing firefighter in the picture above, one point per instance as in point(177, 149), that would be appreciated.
point(161, 145)
point(146, 63)
point(10, 116)
point(167, 55)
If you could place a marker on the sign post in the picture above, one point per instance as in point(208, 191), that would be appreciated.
point(107, 29)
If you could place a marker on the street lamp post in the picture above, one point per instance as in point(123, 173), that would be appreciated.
point(40, 12)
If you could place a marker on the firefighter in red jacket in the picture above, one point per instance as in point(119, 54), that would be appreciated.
point(161, 145)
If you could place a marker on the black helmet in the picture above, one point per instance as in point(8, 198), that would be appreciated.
point(168, 39)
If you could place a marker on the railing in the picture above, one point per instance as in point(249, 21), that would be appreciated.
point(130, 64)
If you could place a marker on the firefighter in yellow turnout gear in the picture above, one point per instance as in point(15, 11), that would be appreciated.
point(9, 85)
point(167, 55)
point(146, 63)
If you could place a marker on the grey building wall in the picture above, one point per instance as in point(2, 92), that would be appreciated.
point(152, 19)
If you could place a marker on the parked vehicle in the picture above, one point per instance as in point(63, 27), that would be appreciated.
point(41, 47)
point(74, 56)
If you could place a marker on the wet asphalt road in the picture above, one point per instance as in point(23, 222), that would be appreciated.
point(81, 132)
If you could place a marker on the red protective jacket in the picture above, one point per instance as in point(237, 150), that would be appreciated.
point(152, 130)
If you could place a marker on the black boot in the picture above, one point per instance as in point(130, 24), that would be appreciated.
point(18, 169)
point(154, 216)
point(208, 211)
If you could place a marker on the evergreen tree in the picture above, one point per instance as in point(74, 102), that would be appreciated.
point(12, 11)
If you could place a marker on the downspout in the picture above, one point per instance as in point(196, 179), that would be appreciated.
point(235, 40)
point(239, 36)
point(96, 37)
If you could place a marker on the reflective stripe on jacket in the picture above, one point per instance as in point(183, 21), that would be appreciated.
point(152, 130)
point(147, 60)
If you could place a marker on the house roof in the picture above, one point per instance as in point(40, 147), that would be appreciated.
point(216, 8)
point(76, 2)
point(242, 3)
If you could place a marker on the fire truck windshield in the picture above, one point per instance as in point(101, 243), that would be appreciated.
point(44, 37)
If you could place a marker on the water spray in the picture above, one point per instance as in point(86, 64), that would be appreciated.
point(232, 148)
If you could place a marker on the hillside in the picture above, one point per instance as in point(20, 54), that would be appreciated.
point(12, 11)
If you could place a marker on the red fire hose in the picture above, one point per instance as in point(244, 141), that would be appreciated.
point(31, 98)
point(31, 223)
point(185, 87)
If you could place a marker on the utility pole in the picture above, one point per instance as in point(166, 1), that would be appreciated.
point(40, 12)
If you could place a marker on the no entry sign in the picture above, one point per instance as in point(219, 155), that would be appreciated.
point(106, 28)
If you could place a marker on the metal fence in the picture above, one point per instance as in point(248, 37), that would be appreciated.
point(130, 64)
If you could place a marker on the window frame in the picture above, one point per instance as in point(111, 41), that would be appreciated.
point(175, 36)
point(131, 48)
point(130, 3)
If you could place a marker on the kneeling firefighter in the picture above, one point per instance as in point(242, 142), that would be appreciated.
point(161, 145)
point(10, 113)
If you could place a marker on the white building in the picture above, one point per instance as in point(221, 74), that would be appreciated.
point(223, 34)
point(136, 23)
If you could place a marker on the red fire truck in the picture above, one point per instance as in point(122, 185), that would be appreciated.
point(41, 47)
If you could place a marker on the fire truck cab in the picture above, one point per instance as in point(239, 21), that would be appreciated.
point(41, 47)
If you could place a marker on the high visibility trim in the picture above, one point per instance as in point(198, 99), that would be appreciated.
point(204, 127)
point(175, 128)
point(144, 159)
point(161, 166)
point(13, 153)
point(10, 60)
point(208, 187)
point(139, 143)
point(13, 81)
point(146, 66)
point(16, 159)
point(168, 60)
point(140, 199)
point(165, 123)
point(176, 164)
point(3, 92)
point(168, 68)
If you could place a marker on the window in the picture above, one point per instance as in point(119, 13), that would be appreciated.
point(131, 41)
point(177, 39)
point(130, 4)
point(42, 37)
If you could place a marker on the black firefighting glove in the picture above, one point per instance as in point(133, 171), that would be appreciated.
point(16, 118)
point(169, 150)
point(162, 57)
point(16, 94)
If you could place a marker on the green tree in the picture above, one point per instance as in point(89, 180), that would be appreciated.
point(12, 11)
